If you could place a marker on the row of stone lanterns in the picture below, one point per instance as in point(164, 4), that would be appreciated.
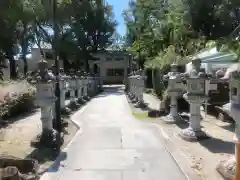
point(195, 92)
point(231, 167)
point(81, 86)
point(136, 82)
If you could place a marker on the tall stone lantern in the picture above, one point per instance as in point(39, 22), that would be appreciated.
point(135, 79)
point(63, 83)
point(174, 90)
point(80, 87)
point(195, 95)
point(231, 167)
point(130, 84)
point(85, 87)
point(72, 83)
point(45, 98)
point(140, 88)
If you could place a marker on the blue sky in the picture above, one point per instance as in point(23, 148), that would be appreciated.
point(118, 7)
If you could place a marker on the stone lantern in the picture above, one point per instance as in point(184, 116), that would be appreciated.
point(95, 86)
point(45, 98)
point(63, 83)
point(174, 90)
point(90, 85)
point(80, 87)
point(135, 88)
point(228, 168)
point(140, 88)
point(73, 85)
point(130, 84)
point(85, 87)
point(195, 95)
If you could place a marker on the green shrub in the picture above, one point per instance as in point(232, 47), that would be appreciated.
point(16, 98)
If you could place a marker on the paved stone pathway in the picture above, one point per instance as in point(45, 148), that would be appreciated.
point(113, 145)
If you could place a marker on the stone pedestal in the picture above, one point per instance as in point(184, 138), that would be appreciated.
point(80, 86)
point(173, 116)
point(130, 84)
point(73, 103)
point(140, 89)
point(135, 89)
point(85, 89)
point(230, 167)
point(195, 96)
point(45, 99)
point(63, 89)
point(194, 131)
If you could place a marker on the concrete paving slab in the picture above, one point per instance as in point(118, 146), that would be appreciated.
point(91, 175)
point(100, 138)
point(107, 159)
point(140, 138)
point(114, 145)
point(154, 174)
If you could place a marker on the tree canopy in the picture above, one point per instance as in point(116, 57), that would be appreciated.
point(164, 31)
point(84, 27)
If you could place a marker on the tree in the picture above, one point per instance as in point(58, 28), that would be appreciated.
point(155, 25)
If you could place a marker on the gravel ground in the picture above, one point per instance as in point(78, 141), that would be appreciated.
point(15, 139)
point(202, 156)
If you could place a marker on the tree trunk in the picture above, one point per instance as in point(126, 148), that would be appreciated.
point(153, 80)
point(25, 69)
point(24, 53)
point(86, 64)
point(12, 62)
point(66, 64)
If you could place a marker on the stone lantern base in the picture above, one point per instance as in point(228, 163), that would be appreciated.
point(65, 111)
point(73, 105)
point(81, 101)
point(86, 98)
point(169, 119)
point(134, 100)
point(191, 135)
point(227, 168)
point(48, 139)
point(141, 104)
point(131, 95)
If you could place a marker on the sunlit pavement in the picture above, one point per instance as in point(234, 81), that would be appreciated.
point(115, 146)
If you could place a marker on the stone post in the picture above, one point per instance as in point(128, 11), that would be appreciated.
point(85, 88)
point(195, 96)
point(174, 90)
point(94, 84)
point(73, 101)
point(231, 167)
point(140, 89)
point(80, 86)
point(63, 89)
point(130, 85)
point(90, 93)
point(45, 99)
point(135, 88)
point(72, 84)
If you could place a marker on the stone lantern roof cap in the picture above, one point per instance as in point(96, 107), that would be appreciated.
point(174, 65)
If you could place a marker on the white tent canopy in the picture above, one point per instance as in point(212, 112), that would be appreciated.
point(212, 60)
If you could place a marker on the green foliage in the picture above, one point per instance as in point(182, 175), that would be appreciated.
point(17, 103)
point(162, 32)
point(84, 27)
